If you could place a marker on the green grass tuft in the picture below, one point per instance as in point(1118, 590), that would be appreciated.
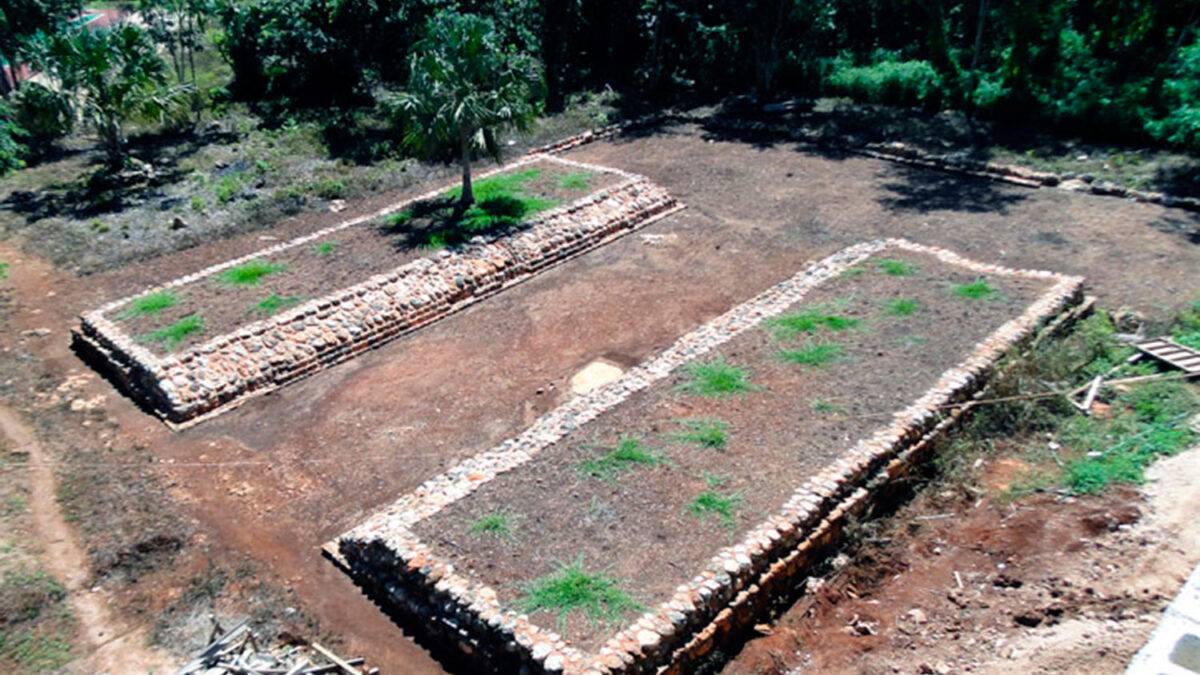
point(150, 304)
point(327, 247)
point(901, 308)
point(711, 503)
point(249, 273)
point(790, 326)
point(825, 407)
point(579, 180)
point(716, 378)
point(496, 524)
point(3, 271)
point(976, 290)
point(897, 268)
point(629, 453)
point(570, 588)
point(813, 355)
point(705, 432)
point(172, 336)
point(274, 302)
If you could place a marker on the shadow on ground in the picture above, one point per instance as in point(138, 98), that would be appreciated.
point(923, 190)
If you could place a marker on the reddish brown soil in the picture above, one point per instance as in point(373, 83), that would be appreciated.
point(285, 473)
point(637, 526)
point(953, 585)
point(307, 272)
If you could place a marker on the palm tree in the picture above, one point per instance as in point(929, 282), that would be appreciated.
point(464, 87)
point(105, 77)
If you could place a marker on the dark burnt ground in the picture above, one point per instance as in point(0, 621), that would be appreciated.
point(341, 259)
point(636, 522)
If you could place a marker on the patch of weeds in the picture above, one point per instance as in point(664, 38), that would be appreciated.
point(813, 355)
point(717, 378)
point(790, 326)
point(496, 524)
point(579, 180)
point(1186, 328)
point(976, 290)
point(327, 247)
point(151, 304)
point(36, 650)
point(852, 272)
point(705, 432)
point(896, 268)
point(172, 336)
point(249, 273)
point(228, 188)
point(99, 226)
point(901, 308)
point(328, 188)
point(3, 271)
point(198, 204)
point(629, 453)
point(571, 588)
point(712, 503)
point(25, 596)
point(825, 407)
point(274, 303)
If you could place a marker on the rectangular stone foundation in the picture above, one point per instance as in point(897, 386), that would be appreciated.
point(265, 355)
point(407, 578)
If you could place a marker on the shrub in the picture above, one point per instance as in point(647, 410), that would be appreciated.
point(888, 81)
point(328, 188)
point(11, 149)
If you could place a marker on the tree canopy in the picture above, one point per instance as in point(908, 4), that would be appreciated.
point(465, 87)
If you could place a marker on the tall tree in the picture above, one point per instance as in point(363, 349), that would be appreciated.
point(20, 20)
point(464, 88)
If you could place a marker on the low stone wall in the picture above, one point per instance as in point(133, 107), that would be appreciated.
point(267, 354)
point(405, 576)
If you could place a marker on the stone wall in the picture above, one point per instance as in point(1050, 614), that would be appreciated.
point(267, 354)
point(405, 576)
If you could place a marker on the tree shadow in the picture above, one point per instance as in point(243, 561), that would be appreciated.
point(924, 190)
point(440, 223)
point(1180, 223)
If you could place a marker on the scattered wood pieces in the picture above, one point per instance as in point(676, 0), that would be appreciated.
point(236, 652)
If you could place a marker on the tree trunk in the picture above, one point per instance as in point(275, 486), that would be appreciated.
point(973, 82)
point(468, 195)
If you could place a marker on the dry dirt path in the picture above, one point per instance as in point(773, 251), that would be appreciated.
point(109, 645)
point(112, 647)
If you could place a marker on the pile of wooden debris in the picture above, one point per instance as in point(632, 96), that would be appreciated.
point(236, 652)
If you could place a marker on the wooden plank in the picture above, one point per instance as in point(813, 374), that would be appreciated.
point(346, 667)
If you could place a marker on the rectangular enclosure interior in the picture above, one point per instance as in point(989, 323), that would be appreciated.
point(203, 341)
point(616, 528)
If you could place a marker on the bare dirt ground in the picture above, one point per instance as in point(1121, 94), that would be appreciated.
point(271, 481)
point(1041, 586)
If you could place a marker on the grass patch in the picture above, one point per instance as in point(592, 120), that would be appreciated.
point(825, 407)
point(628, 454)
point(714, 504)
point(571, 588)
point(274, 302)
point(901, 308)
point(705, 432)
point(580, 180)
point(327, 247)
point(789, 326)
point(1186, 328)
point(3, 271)
point(896, 268)
point(852, 272)
point(813, 355)
point(150, 304)
point(172, 336)
point(976, 290)
point(716, 378)
point(249, 273)
point(496, 524)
